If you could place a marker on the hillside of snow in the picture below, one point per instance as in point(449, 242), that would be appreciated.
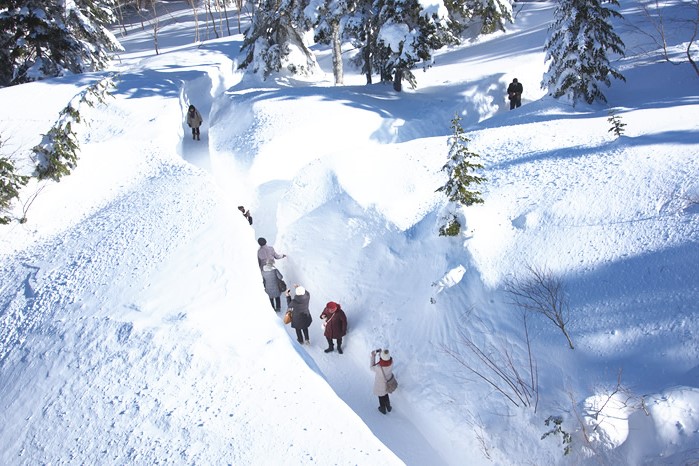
point(134, 328)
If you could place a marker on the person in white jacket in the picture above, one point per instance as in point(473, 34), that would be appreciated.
point(383, 370)
point(194, 121)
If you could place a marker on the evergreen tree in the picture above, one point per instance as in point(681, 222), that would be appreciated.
point(328, 18)
point(407, 34)
point(10, 184)
point(274, 41)
point(361, 28)
point(577, 47)
point(460, 167)
point(40, 38)
point(492, 15)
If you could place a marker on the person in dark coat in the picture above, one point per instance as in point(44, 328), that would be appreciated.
point(272, 280)
point(300, 314)
point(383, 370)
point(194, 121)
point(335, 325)
point(246, 213)
point(266, 253)
point(514, 93)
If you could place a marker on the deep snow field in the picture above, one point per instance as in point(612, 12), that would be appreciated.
point(134, 328)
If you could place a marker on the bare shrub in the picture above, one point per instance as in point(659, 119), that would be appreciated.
point(541, 292)
point(496, 365)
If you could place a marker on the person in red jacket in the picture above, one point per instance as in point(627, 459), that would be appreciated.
point(335, 325)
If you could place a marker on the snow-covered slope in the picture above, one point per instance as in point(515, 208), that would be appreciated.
point(134, 327)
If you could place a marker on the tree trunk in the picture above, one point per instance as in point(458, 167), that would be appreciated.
point(398, 80)
point(337, 52)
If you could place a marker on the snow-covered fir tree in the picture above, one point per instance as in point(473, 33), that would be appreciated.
point(275, 39)
point(328, 18)
point(580, 39)
point(408, 33)
point(361, 28)
point(460, 167)
point(487, 16)
point(492, 15)
point(40, 38)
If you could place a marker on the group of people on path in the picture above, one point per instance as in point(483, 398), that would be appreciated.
point(333, 317)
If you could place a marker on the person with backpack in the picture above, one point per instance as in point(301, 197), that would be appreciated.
point(514, 93)
point(335, 325)
point(266, 253)
point(300, 314)
point(383, 371)
point(194, 121)
point(273, 281)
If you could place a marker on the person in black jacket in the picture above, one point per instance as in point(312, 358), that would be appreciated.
point(300, 314)
point(514, 93)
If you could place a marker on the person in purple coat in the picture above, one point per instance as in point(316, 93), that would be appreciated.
point(266, 253)
point(335, 325)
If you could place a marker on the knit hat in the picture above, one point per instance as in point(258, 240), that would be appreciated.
point(300, 290)
point(385, 355)
point(261, 241)
point(331, 306)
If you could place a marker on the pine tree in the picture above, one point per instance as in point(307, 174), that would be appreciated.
point(10, 184)
point(275, 33)
point(328, 18)
point(407, 34)
point(460, 167)
point(577, 48)
point(40, 39)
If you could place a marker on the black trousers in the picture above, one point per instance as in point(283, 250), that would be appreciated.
point(195, 132)
point(515, 102)
point(384, 401)
point(300, 337)
point(276, 303)
point(330, 342)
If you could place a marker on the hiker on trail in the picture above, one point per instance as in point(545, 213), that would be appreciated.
point(194, 121)
point(335, 325)
point(514, 93)
point(300, 314)
point(246, 213)
point(274, 284)
point(383, 370)
point(266, 253)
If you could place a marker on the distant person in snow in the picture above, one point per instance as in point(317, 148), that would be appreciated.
point(335, 324)
point(383, 370)
point(266, 253)
point(514, 93)
point(194, 121)
point(274, 284)
point(300, 314)
point(246, 213)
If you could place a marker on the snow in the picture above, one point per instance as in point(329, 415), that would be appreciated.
point(133, 323)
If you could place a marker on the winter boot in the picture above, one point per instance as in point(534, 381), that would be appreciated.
point(330, 349)
point(339, 349)
point(388, 408)
point(382, 409)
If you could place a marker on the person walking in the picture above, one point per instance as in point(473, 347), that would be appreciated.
point(383, 370)
point(266, 253)
point(273, 281)
point(335, 325)
point(194, 121)
point(246, 213)
point(300, 314)
point(514, 93)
